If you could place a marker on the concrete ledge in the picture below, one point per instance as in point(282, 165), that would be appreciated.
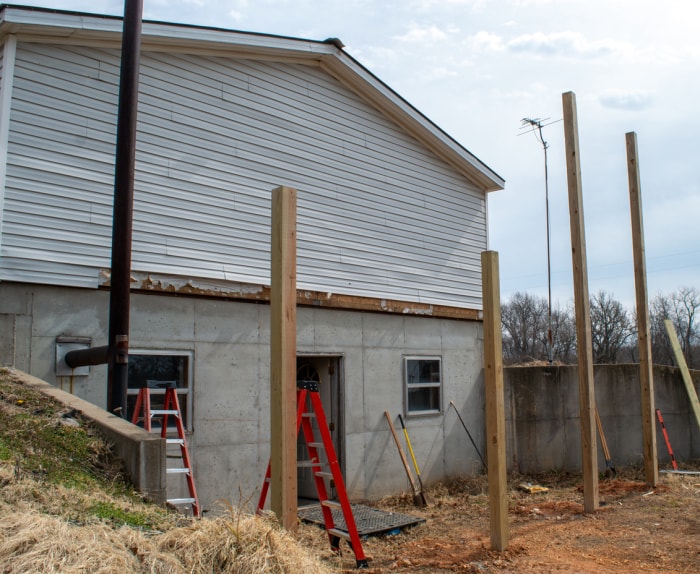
point(143, 453)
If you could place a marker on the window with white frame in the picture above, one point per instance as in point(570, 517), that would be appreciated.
point(423, 385)
point(158, 369)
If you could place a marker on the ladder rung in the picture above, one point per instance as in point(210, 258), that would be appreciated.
point(177, 470)
point(328, 475)
point(180, 441)
point(307, 463)
point(309, 415)
point(181, 500)
point(339, 533)
point(165, 412)
point(331, 504)
point(316, 444)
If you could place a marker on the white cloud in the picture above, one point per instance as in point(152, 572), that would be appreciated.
point(429, 5)
point(487, 42)
point(418, 34)
point(567, 44)
point(625, 99)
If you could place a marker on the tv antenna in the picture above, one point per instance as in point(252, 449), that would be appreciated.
point(536, 125)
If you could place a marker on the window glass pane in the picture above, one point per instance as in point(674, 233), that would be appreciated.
point(423, 385)
point(422, 371)
point(424, 399)
point(144, 368)
point(158, 370)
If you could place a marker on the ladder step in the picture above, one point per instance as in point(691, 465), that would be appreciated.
point(181, 500)
point(339, 533)
point(309, 415)
point(331, 504)
point(307, 463)
point(328, 475)
point(158, 418)
point(316, 444)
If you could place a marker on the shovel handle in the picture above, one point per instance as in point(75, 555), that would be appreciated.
point(414, 486)
point(410, 448)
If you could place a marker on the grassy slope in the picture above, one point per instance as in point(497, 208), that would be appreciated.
point(66, 506)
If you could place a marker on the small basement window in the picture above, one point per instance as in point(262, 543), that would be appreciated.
point(423, 385)
point(156, 369)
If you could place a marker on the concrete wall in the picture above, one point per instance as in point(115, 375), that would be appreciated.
point(230, 345)
point(543, 423)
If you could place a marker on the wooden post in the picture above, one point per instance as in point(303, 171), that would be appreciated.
point(589, 450)
point(283, 437)
point(646, 376)
point(683, 366)
point(495, 416)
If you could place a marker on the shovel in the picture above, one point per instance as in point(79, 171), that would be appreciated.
point(415, 462)
point(609, 469)
point(418, 498)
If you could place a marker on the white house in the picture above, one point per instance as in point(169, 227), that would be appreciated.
point(392, 218)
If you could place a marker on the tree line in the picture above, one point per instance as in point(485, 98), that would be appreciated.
point(525, 322)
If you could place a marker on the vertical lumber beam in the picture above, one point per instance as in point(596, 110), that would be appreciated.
point(683, 366)
point(646, 377)
point(589, 449)
point(495, 416)
point(283, 438)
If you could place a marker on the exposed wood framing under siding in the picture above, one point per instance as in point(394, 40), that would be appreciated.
point(151, 283)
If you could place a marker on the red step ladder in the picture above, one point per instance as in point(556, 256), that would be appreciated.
point(309, 390)
point(171, 408)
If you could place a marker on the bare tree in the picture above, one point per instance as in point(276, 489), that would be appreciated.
point(611, 327)
point(564, 334)
point(682, 307)
point(524, 324)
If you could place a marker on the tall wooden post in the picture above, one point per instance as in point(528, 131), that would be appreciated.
point(283, 438)
point(589, 449)
point(495, 416)
point(646, 377)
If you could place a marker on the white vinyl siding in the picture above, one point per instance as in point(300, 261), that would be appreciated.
point(379, 215)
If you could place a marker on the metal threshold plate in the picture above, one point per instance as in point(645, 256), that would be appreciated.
point(368, 520)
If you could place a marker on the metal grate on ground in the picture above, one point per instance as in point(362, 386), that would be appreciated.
point(368, 520)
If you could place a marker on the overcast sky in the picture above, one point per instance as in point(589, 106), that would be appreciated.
point(478, 67)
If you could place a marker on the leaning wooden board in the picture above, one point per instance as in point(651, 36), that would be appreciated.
point(685, 373)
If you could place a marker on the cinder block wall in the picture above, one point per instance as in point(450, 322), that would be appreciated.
point(543, 423)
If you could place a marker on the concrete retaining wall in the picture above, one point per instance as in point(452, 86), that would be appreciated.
point(143, 453)
point(543, 423)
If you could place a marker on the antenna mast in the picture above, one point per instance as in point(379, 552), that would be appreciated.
point(537, 126)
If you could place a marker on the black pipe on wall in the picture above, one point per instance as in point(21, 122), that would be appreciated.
point(116, 352)
point(119, 295)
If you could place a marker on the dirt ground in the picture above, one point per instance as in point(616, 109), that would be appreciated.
point(637, 529)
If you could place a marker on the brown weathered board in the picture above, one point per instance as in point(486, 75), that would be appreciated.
point(589, 449)
point(646, 378)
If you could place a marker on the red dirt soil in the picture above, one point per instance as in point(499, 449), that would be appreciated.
point(637, 529)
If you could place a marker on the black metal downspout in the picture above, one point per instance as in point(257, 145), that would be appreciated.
point(116, 353)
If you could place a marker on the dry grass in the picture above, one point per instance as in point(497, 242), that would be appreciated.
point(33, 541)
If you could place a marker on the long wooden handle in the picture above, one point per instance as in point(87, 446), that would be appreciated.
point(603, 442)
point(414, 486)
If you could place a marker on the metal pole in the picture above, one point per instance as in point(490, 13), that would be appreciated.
point(119, 298)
